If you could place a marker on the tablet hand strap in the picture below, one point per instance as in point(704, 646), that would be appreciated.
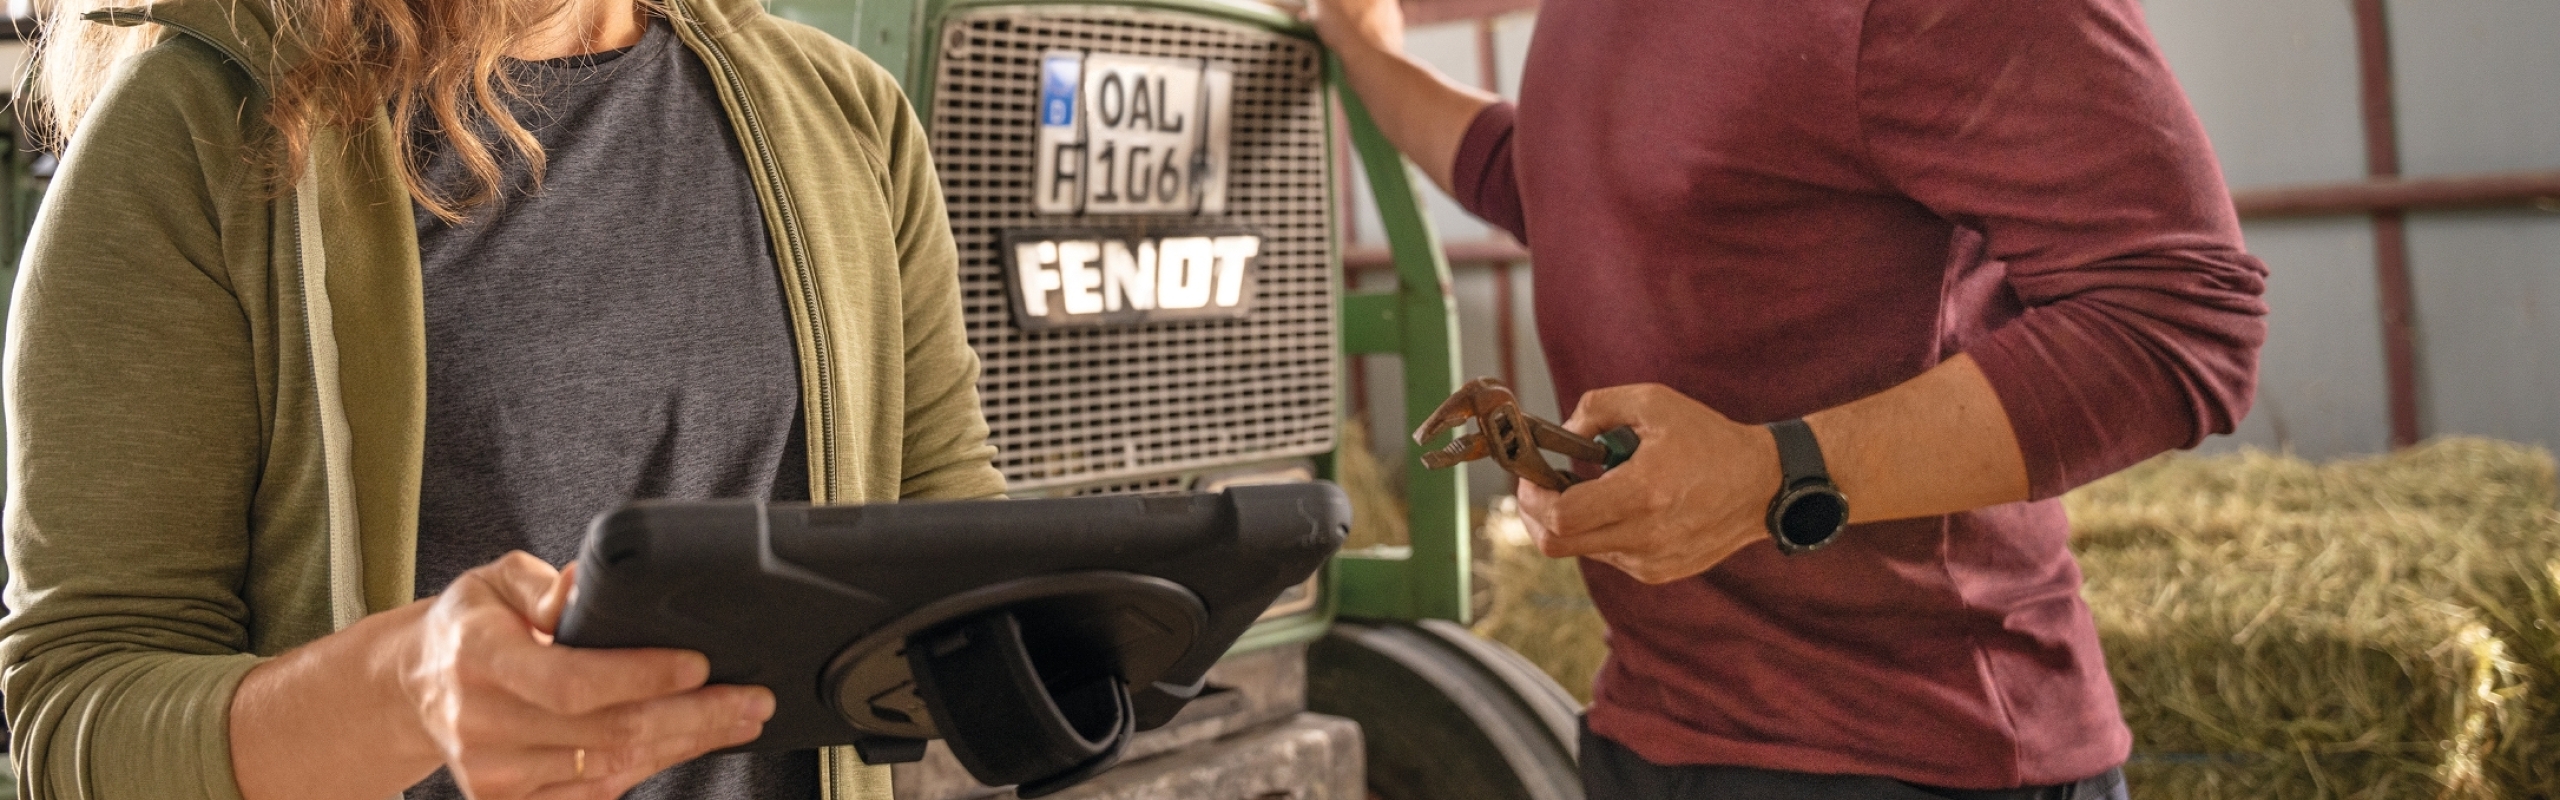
point(1004, 721)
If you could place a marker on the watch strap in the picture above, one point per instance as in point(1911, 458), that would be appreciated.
point(1799, 456)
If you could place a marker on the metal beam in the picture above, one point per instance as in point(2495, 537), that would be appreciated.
point(2506, 189)
point(1482, 252)
point(2393, 288)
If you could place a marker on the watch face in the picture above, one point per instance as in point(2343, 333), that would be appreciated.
point(1808, 517)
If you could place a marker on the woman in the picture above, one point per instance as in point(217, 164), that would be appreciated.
point(334, 302)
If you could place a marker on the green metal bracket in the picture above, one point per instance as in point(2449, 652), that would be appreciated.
point(1371, 324)
point(889, 33)
point(1418, 321)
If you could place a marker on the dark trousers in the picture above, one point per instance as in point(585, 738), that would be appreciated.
point(1610, 771)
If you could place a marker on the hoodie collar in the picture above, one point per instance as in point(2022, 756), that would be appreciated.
point(245, 30)
point(242, 30)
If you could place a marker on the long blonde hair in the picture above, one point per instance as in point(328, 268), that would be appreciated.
point(435, 65)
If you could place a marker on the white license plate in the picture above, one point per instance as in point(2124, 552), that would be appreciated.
point(1132, 134)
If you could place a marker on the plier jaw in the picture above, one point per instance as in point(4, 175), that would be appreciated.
point(1512, 438)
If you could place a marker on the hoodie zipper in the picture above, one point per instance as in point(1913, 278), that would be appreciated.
point(823, 480)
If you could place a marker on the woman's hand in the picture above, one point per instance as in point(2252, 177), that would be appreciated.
point(515, 716)
point(471, 680)
point(1693, 495)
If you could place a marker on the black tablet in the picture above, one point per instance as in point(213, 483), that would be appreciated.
point(1033, 635)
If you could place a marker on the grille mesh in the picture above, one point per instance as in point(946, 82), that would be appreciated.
point(1162, 485)
point(1092, 406)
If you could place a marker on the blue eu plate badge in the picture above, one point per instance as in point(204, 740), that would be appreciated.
point(1060, 75)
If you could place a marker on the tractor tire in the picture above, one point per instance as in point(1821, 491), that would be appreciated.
point(1444, 713)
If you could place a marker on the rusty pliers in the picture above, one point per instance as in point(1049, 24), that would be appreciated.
point(1512, 438)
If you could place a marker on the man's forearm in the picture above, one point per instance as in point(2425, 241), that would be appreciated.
point(1698, 489)
point(1939, 443)
point(1423, 112)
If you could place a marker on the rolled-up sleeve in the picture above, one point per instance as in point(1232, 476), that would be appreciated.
point(1482, 175)
point(2056, 131)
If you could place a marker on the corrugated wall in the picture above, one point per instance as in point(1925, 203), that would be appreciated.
point(2275, 81)
point(2480, 92)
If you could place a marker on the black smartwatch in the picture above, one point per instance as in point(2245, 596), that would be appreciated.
point(1808, 511)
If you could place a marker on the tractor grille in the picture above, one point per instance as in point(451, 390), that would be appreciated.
point(1157, 485)
point(1118, 406)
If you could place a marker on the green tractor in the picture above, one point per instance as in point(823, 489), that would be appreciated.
point(1145, 197)
point(1078, 142)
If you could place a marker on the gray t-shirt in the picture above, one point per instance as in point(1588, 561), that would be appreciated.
point(618, 334)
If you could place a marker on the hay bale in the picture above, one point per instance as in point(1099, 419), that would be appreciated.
point(2366, 629)
point(1377, 508)
point(2251, 688)
point(1537, 605)
point(2531, 766)
point(2378, 628)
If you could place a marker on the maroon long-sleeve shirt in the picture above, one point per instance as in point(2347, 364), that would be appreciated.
point(1780, 206)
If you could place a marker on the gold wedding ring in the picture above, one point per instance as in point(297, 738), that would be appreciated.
point(578, 761)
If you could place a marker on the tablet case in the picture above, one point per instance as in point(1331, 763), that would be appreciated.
point(1035, 636)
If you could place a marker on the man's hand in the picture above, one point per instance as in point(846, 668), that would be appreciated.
point(1422, 112)
point(1694, 494)
point(1349, 25)
point(1698, 489)
point(515, 716)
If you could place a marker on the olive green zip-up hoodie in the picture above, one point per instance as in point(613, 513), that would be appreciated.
point(217, 395)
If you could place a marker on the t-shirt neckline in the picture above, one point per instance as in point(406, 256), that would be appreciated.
point(652, 31)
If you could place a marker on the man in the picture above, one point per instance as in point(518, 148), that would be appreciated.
point(1979, 248)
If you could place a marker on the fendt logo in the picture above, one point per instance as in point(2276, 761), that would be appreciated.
point(1093, 279)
